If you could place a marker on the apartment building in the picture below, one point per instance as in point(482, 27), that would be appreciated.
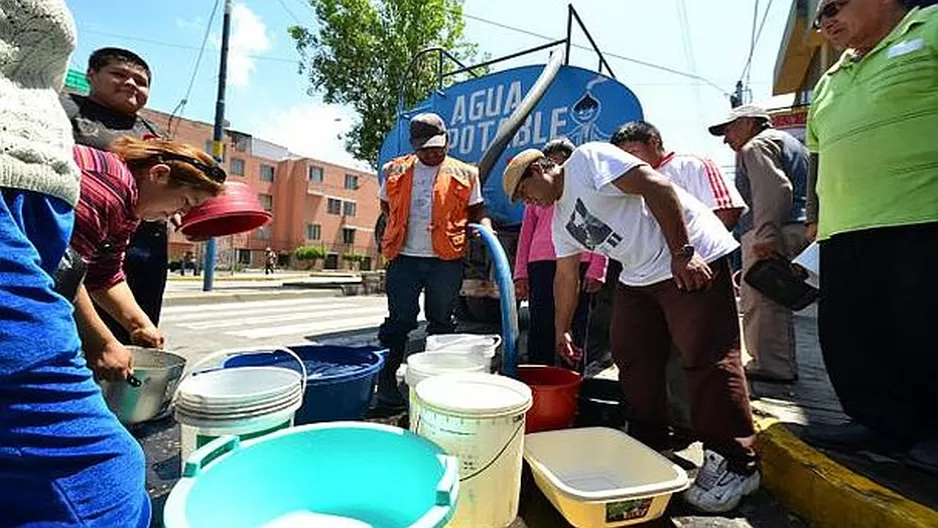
point(313, 202)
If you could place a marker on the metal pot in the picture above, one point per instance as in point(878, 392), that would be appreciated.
point(158, 373)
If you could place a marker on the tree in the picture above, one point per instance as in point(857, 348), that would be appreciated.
point(360, 54)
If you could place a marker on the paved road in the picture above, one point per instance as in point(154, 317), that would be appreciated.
point(197, 330)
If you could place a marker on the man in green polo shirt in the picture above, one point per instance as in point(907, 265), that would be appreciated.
point(873, 127)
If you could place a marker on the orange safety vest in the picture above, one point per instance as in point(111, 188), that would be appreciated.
point(450, 212)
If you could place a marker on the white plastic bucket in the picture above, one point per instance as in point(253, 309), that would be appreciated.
point(484, 345)
point(478, 418)
point(425, 365)
point(244, 401)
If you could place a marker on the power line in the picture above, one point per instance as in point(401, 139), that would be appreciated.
point(756, 34)
point(180, 46)
point(195, 70)
point(289, 11)
point(617, 56)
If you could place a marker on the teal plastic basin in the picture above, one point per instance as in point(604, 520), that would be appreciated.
point(378, 475)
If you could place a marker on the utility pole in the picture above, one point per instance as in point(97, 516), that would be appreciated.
point(208, 280)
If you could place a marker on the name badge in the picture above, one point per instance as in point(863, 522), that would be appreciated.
point(905, 47)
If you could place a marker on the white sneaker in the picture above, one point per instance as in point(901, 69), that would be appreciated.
point(717, 489)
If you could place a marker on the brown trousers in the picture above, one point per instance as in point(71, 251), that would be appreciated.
point(704, 326)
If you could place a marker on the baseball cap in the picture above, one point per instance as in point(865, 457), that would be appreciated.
point(749, 110)
point(515, 170)
point(427, 130)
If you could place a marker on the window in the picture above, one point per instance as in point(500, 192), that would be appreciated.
point(351, 182)
point(267, 173)
point(263, 233)
point(267, 201)
point(208, 149)
point(315, 174)
point(334, 206)
point(348, 235)
point(349, 208)
point(244, 256)
point(313, 231)
point(237, 166)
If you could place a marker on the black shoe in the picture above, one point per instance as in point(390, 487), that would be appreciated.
point(924, 456)
point(851, 437)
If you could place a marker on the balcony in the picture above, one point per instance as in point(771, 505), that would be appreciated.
point(803, 54)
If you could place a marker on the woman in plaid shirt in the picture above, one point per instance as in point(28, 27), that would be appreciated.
point(138, 180)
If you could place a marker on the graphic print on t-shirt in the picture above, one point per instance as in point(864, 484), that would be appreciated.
point(588, 230)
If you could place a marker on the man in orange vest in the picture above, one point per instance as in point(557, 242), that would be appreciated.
point(428, 198)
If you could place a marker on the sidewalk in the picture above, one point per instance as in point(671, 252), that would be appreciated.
point(824, 488)
point(258, 275)
point(244, 287)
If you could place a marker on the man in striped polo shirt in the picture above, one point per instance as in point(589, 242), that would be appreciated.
point(697, 175)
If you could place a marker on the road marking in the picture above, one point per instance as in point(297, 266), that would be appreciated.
point(284, 317)
point(310, 328)
point(241, 312)
point(245, 305)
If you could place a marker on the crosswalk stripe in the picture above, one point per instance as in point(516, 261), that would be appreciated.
point(284, 317)
point(241, 312)
point(310, 328)
point(238, 306)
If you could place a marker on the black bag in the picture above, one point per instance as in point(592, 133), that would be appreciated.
point(783, 282)
point(70, 274)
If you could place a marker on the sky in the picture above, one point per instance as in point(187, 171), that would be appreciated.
point(268, 98)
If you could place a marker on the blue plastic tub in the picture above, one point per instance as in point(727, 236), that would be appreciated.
point(374, 474)
point(340, 381)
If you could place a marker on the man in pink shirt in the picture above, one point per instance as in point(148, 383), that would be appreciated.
point(535, 263)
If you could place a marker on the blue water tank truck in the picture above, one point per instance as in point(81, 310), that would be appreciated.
point(491, 118)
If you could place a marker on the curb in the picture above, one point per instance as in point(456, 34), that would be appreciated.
point(205, 298)
point(825, 493)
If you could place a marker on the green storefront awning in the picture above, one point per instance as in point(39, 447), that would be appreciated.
point(77, 82)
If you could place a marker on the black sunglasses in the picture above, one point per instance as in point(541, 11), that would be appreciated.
point(214, 172)
point(829, 11)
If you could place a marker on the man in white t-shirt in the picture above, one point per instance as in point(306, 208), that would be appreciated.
point(675, 288)
point(703, 180)
point(697, 175)
point(428, 199)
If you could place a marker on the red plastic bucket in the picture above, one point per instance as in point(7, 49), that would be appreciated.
point(235, 211)
point(555, 392)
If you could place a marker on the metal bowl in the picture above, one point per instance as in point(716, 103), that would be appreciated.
point(158, 373)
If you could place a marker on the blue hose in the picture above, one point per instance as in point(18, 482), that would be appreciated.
point(506, 290)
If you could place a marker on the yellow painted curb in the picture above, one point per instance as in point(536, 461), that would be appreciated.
point(825, 493)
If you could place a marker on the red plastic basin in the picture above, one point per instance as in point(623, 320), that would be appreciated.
point(235, 211)
point(555, 392)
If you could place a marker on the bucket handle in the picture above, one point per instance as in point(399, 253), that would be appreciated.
point(208, 453)
point(237, 351)
point(445, 490)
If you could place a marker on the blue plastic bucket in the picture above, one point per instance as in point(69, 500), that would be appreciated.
point(337, 474)
point(340, 381)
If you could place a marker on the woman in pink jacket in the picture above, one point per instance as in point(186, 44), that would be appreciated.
point(535, 263)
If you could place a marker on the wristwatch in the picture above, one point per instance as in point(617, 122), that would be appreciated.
point(686, 250)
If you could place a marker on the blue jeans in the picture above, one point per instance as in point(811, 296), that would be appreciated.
point(65, 460)
point(407, 277)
